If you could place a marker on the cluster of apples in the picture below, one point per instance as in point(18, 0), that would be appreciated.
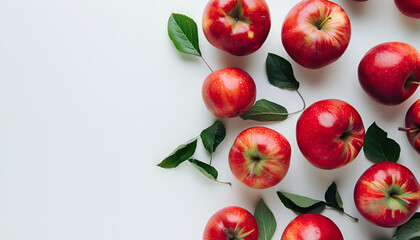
point(329, 133)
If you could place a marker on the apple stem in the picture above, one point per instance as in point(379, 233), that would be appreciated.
point(206, 63)
point(401, 199)
point(413, 82)
point(253, 169)
point(408, 129)
point(323, 23)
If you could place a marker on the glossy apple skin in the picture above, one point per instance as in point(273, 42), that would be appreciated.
point(330, 133)
point(373, 189)
point(265, 148)
point(229, 222)
point(412, 121)
point(311, 226)
point(305, 43)
point(385, 69)
point(238, 37)
point(410, 8)
point(229, 92)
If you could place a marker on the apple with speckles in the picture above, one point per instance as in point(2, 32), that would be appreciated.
point(311, 226)
point(228, 92)
point(239, 27)
point(330, 133)
point(387, 194)
point(412, 125)
point(316, 33)
point(231, 223)
point(260, 157)
point(410, 8)
point(390, 72)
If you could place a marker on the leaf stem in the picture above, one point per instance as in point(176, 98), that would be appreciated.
point(228, 183)
point(304, 104)
point(354, 219)
point(206, 63)
point(342, 211)
point(303, 100)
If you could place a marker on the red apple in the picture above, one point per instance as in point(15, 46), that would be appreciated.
point(410, 8)
point(412, 125)
point(231, 223)
point(330, 133)
point(388, 70)
point(316, 33)
point(387, 194)
point(239, 27)
point(229, 92)
point(311, 226)
point(260, 157)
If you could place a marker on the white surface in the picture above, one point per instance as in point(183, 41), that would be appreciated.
point(93, 95)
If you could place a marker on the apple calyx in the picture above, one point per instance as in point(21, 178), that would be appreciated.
point(323, 23)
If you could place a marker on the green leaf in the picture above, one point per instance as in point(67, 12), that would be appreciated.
point(377, 146)
point(265, 111)
point(333, 198)
point(301, 204)
point(266, 222)
point(207, 170)
point(409, 228)
point(179, 155)
point(280, 72)
point(213, 136)
point(183, 32)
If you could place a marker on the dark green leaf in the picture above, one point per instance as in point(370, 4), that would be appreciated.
point(379, 147)
point(301, 204)
point(333, 198)
point(179, 155)
point(213, 136)
point(205, 169)
point(266, 111)
point(183, 32)
point(266, 221)
point(415, 238)
point(280, 72)
point(409, 228)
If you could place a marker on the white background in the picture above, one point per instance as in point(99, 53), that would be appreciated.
point(93, 95)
